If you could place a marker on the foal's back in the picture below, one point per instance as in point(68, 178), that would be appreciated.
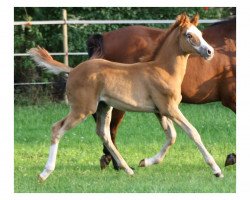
point(124, 86)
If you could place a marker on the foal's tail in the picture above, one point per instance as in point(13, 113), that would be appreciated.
point(95, 46)
point(43, 59)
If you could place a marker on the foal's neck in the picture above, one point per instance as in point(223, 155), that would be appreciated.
point(171, 57)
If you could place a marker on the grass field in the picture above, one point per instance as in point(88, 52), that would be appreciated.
point(140, 136)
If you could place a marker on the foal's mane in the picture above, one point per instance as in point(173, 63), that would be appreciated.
point(181, 21)
point(152, 56)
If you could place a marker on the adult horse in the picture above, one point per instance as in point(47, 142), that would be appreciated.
point(204, 81)
point(97, 85)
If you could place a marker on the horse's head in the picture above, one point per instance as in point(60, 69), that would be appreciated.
point(191, 40)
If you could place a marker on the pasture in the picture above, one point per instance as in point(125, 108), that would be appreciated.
point(140, 136)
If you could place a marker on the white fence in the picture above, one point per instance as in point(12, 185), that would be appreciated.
point(85, 23)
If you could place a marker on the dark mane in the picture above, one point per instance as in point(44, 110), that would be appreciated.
point(225, 21)
point(160, 44)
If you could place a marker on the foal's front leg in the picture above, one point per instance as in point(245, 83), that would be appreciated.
point(170, 132)
point(103, 130)
point(180, 119)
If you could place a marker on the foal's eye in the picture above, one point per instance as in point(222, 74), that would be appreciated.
point(189, 36)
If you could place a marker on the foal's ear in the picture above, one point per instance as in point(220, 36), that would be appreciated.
point(182, 20)
point(195, 20)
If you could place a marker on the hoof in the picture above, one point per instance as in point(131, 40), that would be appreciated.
point(44, 175)
point(219, 175)
point(142, 163)
point(129, 171)
point(104, 161)
point(40, 178)
point(231, 159)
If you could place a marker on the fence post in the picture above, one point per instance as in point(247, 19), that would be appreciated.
point(65, 38)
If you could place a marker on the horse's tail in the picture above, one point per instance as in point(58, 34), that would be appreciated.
point(43, 59)
point(95, 46)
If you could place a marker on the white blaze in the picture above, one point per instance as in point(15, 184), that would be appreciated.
point(203, 44)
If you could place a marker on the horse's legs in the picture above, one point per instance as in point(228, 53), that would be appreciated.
point(103, 131)
point(117, 117)
point(58, 130)
point(228, 99)
point(179, 118)
point(170, 132)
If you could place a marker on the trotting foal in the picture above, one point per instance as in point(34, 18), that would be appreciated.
point(97, 85)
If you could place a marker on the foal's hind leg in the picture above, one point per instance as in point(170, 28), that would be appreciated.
point(103, 131)
point(58, 131)
point(117, 117)
point(179, 118)
point(170, 132)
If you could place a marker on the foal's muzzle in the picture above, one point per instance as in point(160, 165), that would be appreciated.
point(207, 52)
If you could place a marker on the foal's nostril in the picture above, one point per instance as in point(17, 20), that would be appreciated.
point(209, 52)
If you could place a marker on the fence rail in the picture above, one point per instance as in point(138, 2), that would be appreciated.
point(56, 54)
point(36, 83)
point(90, 22)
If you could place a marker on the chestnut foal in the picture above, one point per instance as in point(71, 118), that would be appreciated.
point(97, 85)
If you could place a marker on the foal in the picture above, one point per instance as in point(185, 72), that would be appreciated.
point(97, 85)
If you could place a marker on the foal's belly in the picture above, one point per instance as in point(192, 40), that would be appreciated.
point(129, 105)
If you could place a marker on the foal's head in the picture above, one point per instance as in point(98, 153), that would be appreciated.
point(191, 40)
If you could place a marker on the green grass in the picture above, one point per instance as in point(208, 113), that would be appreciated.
point(140, 136)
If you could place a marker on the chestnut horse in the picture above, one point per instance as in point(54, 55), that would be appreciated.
point(204, 81)
point(98, 85)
